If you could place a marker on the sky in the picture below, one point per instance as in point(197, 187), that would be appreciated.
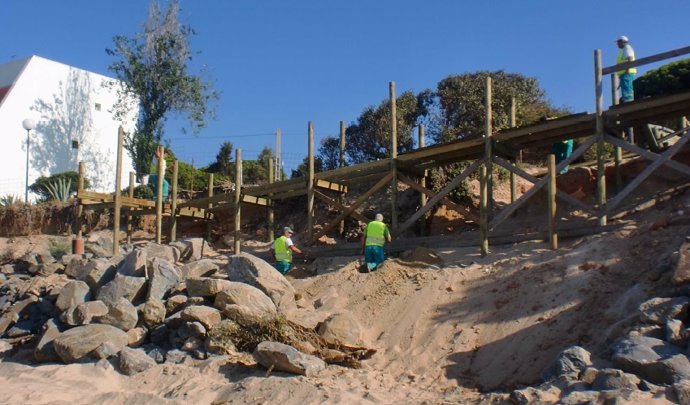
point(280, 64)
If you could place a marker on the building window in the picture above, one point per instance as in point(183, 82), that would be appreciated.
point(98, 106)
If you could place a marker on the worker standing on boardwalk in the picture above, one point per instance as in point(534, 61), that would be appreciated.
point(626, 76)
point(283, 248)
point(375, 236)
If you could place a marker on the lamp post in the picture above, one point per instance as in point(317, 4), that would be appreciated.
point(28, 124)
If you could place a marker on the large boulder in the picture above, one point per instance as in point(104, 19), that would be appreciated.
point(163, 277)
point(245, 300)
point(73, 293)
point(659, 310)
point(207, 316)
point(130, 288)
point(681, 274)
point(282, 357)
point(205, 286)
point(121, 314)
point(192, 249)
point(77, 343)
point(251, 270)
point(133, 361)
point(341, 328)
point(569, 363)
point(134, 264)
point(645, 357)
point(99, 272)
point(199, 268)
point(45, 350)
point(166, 252)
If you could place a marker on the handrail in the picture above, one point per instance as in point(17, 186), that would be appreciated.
point(646, 60)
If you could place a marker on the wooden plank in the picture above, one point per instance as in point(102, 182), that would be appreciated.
point(673, 164)
point(553, 236)
point(381, 166)
point(646, 60)
point(440, 149)
point(445, 200)
point(273, 188)
point(437, 197)
point(342, 208)
point(386, 179)
point(329, 185)
point(660, 160)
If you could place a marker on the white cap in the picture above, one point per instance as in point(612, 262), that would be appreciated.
point(622, 38)
point(379, 217)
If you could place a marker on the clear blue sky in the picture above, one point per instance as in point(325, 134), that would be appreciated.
point(280, 64)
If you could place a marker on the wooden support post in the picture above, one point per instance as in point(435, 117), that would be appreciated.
point(393, 156)
point(130, 193)
point(483, 211)
point(601, 167)
point(553, 236)
point(279, 161)
point(173, 202)
point(80, 209)
point(488, 129)
point(422, 196)
point(118, 187)
point(209, 216)
point(341, 163)
point(238, 193)
point(618, 150)
point(159, 194)
point(310, 181)
point(271, 210)
point(513, 176)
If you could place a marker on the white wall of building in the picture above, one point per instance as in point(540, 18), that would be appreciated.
point(68, 104)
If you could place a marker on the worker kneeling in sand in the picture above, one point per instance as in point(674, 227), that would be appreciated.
point(373, 240)
point(282, 251)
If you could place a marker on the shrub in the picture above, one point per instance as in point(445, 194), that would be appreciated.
point(41, 187)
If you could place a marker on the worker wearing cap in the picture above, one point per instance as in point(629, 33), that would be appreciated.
point(283, 248)
point(375, 236)
point(626, 76)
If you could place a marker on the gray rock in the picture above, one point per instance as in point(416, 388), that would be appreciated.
point(5, 347)
point(199, 268)
point(531, 395)
point(133, 361)
point(682, 391)
point(45, 351)
point(134, 264)
point(136, 336)
point(256, 272)
point(246, 300)
point(681, 274)
point(99, 243)
point(192, 249)
point(643, 356)
point(674, 369)
point(77, 343)
point(164, 276)
point(74, 264)
point(166, 252)
point(282, 357)
point(99, 272)
point(205, 286)
point(175, 303)
point(569, 363)
point(341, 328)
point(46, 269)
point(614, 379)
point(676, 332)
point(207, 316)
point(85, 312)
point(157, 354)
point(160, 334)
point(72, 294)
point(192, 329)
point(23, 328)
point(659, 310)
point(153, 312)
point(175, 356)
point(122, 314)
point(130, 288)
point(16, 312)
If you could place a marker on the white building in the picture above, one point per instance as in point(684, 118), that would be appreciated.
point(74, 122)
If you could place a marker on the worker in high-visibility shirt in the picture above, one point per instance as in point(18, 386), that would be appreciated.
point(283, 248)
point(625, 76)
point(375, 236)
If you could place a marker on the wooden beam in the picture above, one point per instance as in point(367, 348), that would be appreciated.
point(118, 196)
point(173, 202)
point(483, 212)
point(381, 183)
point(553, 236)
point(342, 208)
point(310, 181)
point(673, 164)
point(237, 199)
point(329, 185)
point(646, 60)
point(130, 194)
point(159, 194)
point(445, 200)
point(438, 196)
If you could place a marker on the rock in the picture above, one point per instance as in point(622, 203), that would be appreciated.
point(153, 313)
point(682, 391)
point(75, 344)
point(72, 294)
point(256, 272)
point(282, 357)
point(16, 312)
point(219, 344)
point(106, 350)
point(588, 375)
point(175, 356)
point(157, 354)
point(164, 276)
point(674, 369)
point(192, 329)
point(200, 268)
point(99, 243)
point(246, 300)
point(192, 345)
point(642, 356)
point(569, 363)
point(676, 332)
point(681, 274)
point(192, 249)
point(46, 269)
point(134, 264)
point(306, 318)
point(133, 361)
point(86, 311)
point(341, 328)
point(614, 379)
point(45, 351)
point(175, 303)
point(207, 316)
point(99, 272)
point(136, 337)
point(659, 310)
point(165, 252)
point(5, 347)
point(159, 335)
point(130, 288)
point(531, 395)
point(73, 264)
point(122, 315)
point(23, 328)
point(205, 286)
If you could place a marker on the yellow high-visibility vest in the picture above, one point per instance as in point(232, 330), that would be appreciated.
point(283, 253)
point(376, 233)
point(620, 60)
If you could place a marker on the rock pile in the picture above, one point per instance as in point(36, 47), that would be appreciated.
point(161, 303)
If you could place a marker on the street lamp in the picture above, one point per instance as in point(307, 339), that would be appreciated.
point(28, 124)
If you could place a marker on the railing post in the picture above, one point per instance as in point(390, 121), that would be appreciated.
point(238, 194)
point(310, 181)
point(393, 157)
point(118, 186)
point(601, 166)
point(553, 236)
point(173, 202)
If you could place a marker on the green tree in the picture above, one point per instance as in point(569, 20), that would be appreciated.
point(223, 164)
point(329, 152)
point(369, 138)
point(460, 103)
point(153, 67)
point(668, 79)
point(302, 169)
